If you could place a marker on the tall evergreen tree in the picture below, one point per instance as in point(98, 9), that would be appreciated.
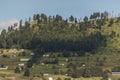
point(85, 19)
point(27, 73)
point(71, 18)
point(17, 70)
point(20, 23)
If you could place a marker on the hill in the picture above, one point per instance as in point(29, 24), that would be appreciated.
point(55, 34)
point(89, 46)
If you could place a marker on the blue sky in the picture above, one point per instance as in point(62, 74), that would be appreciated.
point(13, 10)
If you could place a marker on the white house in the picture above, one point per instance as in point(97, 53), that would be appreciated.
point(45, 74)
point(50, 78)
point(21, 64)
point(42, 63)
point(109, 79)
point(66, 60)
point(83, 65)
point(32, 54)
point(5, 68)
point(46, 55)
point(62, 64)
point(22, 50)
point(25, 59)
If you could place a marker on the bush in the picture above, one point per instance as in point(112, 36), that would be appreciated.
point(59, 78)
point(67, 79)
point(105, 75)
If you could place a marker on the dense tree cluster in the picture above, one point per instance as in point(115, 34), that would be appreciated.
point(86, 72)
point(52, 33)
point(98, 15)
point(116, 69)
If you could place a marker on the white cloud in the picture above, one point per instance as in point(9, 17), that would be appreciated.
point(6, 24)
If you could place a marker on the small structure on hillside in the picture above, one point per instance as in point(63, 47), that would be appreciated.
point(50, 78)
point(22, 50)
point(45, 74)
point(42, 63)
point(4, 68)
point(13, 56)
point(61, 64)
point(115, 73)
point(83, 64)
point(25, 59)
point(66, 60)
point(109, 79)
point(32, 54)
point(46, 55)
point(21, 64)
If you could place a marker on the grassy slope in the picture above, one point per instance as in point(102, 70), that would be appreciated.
point(111, 51)
point(112, 43)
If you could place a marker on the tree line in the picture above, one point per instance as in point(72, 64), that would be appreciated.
point(53, 33)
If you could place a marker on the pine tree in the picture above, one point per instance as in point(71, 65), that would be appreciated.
point(20, 24)
point(71, 18)
point(29, 64)
point(17, 70)
point(27, 73)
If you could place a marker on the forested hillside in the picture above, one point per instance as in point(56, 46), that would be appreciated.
point(78, 48)
point(55, 34)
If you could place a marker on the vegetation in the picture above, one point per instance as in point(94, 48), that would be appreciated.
point(79, 49)
point(27, 73)
point(17, 70)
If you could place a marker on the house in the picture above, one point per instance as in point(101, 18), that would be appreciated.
point(115, 73)
point(50, 78)
point(42, 63)
point(32, 54)
point(45, 74)
point(109, 79)
point(21, 64)
point(66, 60)
point(33, 66)
point(25, 59)
point(13, 51)
point(13, 56)
point(83, 64)
point(22, 50)
point(46, 55)
point(62, 64)
point(4, 68)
